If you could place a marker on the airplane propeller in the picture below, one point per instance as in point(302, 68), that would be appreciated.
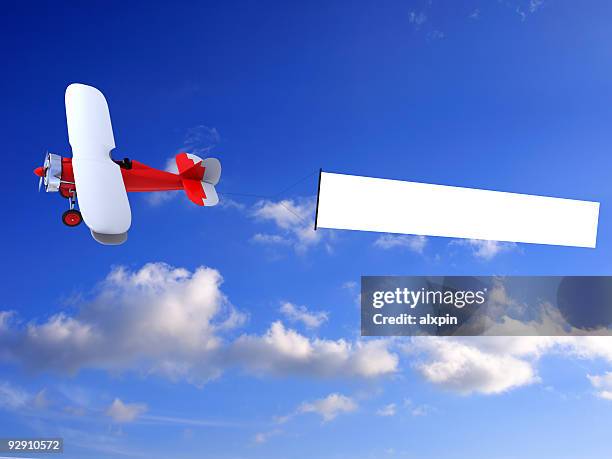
point(42, 172)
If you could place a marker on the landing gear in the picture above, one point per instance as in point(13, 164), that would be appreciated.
point(72, 217)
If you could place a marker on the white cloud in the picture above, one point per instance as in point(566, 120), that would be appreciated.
point(229, 203)
point(193, 422)
point(158, 198)
point(40, 400)
point(199, 140)
point(286, 214)
point(301, 314)
point(171, 166)
point(535, 5)
point(173, 322)
point(353, 288)
point(436, 35)
point(485, 250)
point(418, 410)
point(387, 410)
point(329, 407)
point(421, 410)
point(350, 285)
point(11, 397)
point(271, 239)
point(413, 243)
point(466, 369)
point(160, 319)
point(125, 412)
point(179, 324)
point(263, 437)
point(293, 218)
point(531, 7)
point(497, 364)
point(603, 384)
point(417, 19)
point(475, 14)
point(286, 352)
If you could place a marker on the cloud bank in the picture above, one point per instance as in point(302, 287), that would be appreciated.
point(179, 324)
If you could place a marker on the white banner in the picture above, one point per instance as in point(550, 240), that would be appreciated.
point(393, 206)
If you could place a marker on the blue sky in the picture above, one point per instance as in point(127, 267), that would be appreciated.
point(234, 331)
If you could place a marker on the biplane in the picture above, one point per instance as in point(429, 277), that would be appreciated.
point(99, 184)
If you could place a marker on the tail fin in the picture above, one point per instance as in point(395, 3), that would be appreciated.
point(199, 178)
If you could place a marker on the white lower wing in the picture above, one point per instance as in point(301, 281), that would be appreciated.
point(99, 184)
point(392, 206)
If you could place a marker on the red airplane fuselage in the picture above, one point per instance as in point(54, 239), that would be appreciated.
point(137, 177)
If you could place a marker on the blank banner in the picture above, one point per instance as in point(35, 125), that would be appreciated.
point(392, 206)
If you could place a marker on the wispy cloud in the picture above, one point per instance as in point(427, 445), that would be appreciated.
point(436, 35)
point(417, 410)
point(603, 384)
point(263, 437)
point(295, 313)
point(200, 140)
point(328, 408)
point(181, 421)
point(270, 239)
point(417, 18)
point(294, 221)
point(12, 397)
point(421, 410)
point(161, 197)
point(387, 410)
point(125, 412)
point(485, 250)
point(412, 243)
point(353, 288)
point(524, 10)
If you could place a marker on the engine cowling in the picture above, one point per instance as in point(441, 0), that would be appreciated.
point(53, 172)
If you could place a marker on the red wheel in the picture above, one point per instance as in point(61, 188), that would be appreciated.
point(72, 217)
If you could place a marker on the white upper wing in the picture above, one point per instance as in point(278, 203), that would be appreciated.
point(100, 189)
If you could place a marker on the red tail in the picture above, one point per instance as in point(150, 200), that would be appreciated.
point(196, 180)
point(189, 166)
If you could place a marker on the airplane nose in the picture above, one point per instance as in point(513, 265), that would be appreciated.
point(39, 171)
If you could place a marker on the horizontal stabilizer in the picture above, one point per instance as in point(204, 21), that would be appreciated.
point(212, 170)
point(200, 193)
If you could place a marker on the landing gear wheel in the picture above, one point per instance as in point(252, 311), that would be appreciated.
point(72, 217)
